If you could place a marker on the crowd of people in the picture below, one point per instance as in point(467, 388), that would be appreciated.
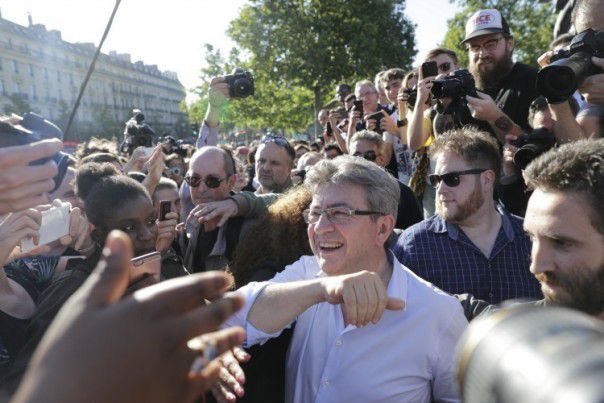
point(343, 269)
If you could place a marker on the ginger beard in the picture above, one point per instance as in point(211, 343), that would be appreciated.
point(462, 210)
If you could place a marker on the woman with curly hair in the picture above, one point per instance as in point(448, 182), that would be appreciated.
point(277, 240)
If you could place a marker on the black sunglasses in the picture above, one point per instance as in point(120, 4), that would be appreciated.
point(368, 155)
point(451, 179)
point(210, 181)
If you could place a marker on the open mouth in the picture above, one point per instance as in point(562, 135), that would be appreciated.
point(330, 246)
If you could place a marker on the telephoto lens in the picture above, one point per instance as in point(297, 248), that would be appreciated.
point(526, 353)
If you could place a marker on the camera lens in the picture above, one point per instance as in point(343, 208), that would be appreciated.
point(241, 87)
point(561, 78)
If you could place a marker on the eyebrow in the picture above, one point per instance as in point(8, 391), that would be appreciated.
point(342, 204)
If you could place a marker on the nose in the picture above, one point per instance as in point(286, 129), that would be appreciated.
point(323, 225)
point(147, 233)
point(541, 258)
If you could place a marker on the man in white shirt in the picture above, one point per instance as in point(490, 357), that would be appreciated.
point(367, 329)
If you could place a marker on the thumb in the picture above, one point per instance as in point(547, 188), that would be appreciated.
point(598, 61)
point(395, 304)
point(384, 113)
point(109, 280)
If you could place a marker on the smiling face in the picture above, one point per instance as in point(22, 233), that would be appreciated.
point(351, 246)
point(568, 252)
point(490, 58)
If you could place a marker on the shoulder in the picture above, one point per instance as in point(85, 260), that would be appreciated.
point(304, 268)
point(424, 227)
point(525, 69)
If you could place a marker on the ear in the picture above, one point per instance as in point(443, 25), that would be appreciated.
point(97, 234)
point(231, 181)
point(487, 180)
point(385, 227)
point(510, 44)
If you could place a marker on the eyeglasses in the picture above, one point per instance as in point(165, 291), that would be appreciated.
point(368, 155)
point(211, 182)
point(335, 215)
point(452, 179)
point(488, 46)
point(280, 141)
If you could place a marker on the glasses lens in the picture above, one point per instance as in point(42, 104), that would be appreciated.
point(444, 67)
point(212, 182)
point(193, 181)
point(370, 156)
point(434, 180)
point(451, 179)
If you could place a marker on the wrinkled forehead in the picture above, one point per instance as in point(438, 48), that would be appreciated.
point(344, 194)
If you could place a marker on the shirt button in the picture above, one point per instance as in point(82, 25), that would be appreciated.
point(338, 342)
point(325, 382)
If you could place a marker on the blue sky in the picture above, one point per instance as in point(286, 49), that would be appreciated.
point(171, 34)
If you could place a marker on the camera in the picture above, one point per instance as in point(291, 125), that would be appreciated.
point(412, 94)
point(241, 83)
point(455, 85)
point(137, 133)
point(526, 353)
point(532, 145)
point(571, 66)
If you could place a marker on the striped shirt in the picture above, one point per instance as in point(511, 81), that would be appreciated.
point(442, 254)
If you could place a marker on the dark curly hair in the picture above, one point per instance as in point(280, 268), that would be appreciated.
point(279, 237)
point(576, 167)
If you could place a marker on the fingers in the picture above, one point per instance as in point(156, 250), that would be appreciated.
point(16, 175)
point(544, 59)
point(74, 222)
point(7, 206)
point(231, 363)
point(241, 355)
point(350, 301)
point(109, 280)
point(372, 302)
point(395, 304)
point(362, 303)
point(227, 379)
point(222, 394)
point(185, 293)
point(23, 155)
point(28, 190)
point(382, 297)
point(207, 318)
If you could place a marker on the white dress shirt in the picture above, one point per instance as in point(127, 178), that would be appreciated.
point(408, 356)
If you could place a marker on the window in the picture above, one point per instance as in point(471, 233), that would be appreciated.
point(58, 76)
point(17, 88)
point(34, 94)
point(45, 73)
point(2, 89)
point(15, 67)
point(31, 69)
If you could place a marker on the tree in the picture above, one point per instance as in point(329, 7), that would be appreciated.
point(531, 23)
point(299, 50)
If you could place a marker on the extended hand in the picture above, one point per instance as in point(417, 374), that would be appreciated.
point(362, 295)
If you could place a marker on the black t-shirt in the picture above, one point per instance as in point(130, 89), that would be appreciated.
point(514, 95)
point(409, 212)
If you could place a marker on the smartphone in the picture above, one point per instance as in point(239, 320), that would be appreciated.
point(377, 116)
point(149, 264)
point(429, 69)
point(328, 129)
point(165, 206)
point(342, 125)
point(54, 225)
point(358, 106)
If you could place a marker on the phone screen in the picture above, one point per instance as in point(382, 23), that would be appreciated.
point(165, 206)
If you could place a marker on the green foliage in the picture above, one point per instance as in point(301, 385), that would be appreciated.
point(531, 23)
point(299, 50)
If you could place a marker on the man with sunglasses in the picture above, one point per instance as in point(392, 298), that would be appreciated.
point(471, 245)
point(211, 178)
point(274, 162)
point(352, 340)
point(369, 145)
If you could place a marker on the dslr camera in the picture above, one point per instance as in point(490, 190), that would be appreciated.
point(241, 83)
point(456, 85)
point(571, 66)
point(532, 145)
point(137, 133)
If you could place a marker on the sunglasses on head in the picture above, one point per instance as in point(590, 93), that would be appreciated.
point(368, 155)
point(280, 141)
point(211, 181)
point(452, 179)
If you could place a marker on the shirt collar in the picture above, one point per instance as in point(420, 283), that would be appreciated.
point(440, 226)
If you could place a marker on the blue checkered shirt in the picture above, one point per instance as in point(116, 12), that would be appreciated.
point(443, 254)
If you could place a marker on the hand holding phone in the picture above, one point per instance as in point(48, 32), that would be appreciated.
point(165, 206)
point(429, 69)
point(358, 106)
point(54, 225)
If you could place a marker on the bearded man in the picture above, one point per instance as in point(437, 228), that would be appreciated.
point(506, 89)
point(471, 245)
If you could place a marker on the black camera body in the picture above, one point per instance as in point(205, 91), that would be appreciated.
point(532, 145)
point(241, 83)
point(412, 97)
point(137, 133)
point(456, 85)
point(571, 66)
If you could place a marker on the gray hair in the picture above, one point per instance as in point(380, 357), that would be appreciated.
point(381, 189)
point(370, 137)
point(361, 83)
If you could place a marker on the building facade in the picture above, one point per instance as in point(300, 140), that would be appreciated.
point(38, 68)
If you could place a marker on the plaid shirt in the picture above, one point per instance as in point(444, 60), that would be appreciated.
point(444, 255)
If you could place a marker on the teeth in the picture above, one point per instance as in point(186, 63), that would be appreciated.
point(329, 245)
